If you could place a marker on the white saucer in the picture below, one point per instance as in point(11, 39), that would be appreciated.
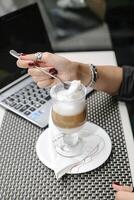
point(88, 164)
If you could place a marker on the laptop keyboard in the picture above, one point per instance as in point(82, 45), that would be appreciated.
point(28, 99)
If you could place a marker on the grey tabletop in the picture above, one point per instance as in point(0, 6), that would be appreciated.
point(23, 176)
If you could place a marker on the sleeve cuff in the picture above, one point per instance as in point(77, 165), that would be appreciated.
point(126, 91)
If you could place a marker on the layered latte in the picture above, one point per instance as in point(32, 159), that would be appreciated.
point(69, 109)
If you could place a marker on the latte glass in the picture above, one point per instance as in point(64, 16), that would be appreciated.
point(68, 116)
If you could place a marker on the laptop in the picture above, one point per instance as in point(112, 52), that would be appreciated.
point(24, 31)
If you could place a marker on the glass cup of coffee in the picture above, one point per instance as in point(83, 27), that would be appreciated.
point(68, 114)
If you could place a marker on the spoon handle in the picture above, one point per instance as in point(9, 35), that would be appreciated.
point(14, 53)
point(45, 72)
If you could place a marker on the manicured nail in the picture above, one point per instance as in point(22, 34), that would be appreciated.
point(31, 64)
point(37, 63)
point(53, 71)
point(117, 183)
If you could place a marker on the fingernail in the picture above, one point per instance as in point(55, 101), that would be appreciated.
point(53, 71)
point(31, 64)
point(117, 183)
point(36, 63)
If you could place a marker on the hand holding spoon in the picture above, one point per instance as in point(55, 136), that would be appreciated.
point(17, 55)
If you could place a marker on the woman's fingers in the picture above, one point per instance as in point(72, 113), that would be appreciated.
point(118, 187)
point(49, 59)
point(30, 63)
point(37, 72)
point(33, 57)
point(45, 83)
point(39, 78)
point(121, 195)
point(25, 64)
point(29, 57)
point(123, 192)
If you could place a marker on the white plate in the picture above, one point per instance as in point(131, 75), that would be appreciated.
point(88, 164)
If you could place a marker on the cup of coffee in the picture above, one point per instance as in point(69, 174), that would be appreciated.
point(69, 115)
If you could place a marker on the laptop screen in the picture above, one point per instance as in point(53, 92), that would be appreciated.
point(23, 31)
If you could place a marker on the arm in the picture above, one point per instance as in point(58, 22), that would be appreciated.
point(113, 80)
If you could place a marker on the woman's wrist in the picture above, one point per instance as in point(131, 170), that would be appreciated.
point(109, 78)
point(84, 73)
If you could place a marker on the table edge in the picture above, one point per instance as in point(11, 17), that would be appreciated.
point(128, 134)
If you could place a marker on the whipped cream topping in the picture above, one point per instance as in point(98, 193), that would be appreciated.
point(74, 92)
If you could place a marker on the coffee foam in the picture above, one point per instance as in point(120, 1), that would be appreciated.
point(65, 106)
point(69, 109)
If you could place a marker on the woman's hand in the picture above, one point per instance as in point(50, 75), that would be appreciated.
point(123, 192)
point(67, 70)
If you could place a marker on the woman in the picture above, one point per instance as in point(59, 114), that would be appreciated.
point(113, 80)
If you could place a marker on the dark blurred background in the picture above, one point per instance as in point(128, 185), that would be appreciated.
point(84, 25)
point(78, 25)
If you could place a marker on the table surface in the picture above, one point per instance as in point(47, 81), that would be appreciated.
point(108, 58)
